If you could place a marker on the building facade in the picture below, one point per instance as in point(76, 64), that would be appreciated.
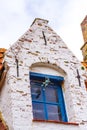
point(84, 32)
point(84, 47)
point(44, 86)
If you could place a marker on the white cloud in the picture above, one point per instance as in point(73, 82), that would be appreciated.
point(13, 21)
point(64, 17)
point(70, 30)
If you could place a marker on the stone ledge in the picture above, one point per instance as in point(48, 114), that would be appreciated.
point(59, 122)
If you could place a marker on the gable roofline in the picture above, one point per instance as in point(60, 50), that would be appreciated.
point(46, 21)
point(83, 45)
point(84, 21)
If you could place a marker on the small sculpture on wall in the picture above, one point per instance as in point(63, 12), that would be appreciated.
point(46, 82)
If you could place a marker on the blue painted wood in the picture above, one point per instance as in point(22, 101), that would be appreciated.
point(52, 78)
point(55, 79)
point(62, 104)
point(45, 108)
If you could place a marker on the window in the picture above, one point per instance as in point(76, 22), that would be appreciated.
point(47, 97)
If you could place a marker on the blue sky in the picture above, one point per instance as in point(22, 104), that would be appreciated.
point(64, 17)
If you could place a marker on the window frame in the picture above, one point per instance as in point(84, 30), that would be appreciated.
point(55, 79)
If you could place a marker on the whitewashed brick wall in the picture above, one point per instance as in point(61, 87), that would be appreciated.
point(53, 58)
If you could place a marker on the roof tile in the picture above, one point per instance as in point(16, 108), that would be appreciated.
point(1, 66)
point(1, 55)
point(1, 60)
point(2, 50)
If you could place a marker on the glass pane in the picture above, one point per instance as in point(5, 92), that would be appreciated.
point(36, 91)
point(51, 94)
point(54, 112)
point(38, 111)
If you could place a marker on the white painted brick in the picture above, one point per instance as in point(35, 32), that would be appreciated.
point(15, 98)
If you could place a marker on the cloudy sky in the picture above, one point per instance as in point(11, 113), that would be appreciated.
point(64, 17)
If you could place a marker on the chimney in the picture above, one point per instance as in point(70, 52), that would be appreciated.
point(84, 29)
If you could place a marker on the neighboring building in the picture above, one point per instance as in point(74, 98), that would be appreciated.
point(84, 47)
point(44, 86)
point(84, 32)
point(3, 125)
